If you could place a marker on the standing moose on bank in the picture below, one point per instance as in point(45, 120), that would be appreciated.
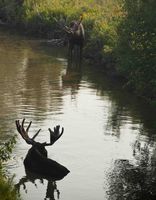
point(76, 37)
point(36, 160)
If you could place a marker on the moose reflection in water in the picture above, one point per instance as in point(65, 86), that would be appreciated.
point(72, 77)
point(52, 192)
point(36, 160)
point(134, 181)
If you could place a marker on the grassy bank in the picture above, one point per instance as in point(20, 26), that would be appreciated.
point(120, 34)
point(7, 191)
point(100, 19)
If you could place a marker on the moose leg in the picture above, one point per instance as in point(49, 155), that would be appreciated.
point(81, 49)
point(70, 51)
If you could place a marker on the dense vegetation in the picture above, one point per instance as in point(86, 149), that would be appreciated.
point(100, 19)
point(136, 48)
point(7, 190)
point(120, 33)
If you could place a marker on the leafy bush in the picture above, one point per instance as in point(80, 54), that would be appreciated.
point(137, 46)
point(7, 190)
point(6, 149)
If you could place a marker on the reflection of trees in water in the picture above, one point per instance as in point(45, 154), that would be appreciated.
point(29, 82)
point(124, 105)
point(42, 85)
point(51, 193)
point(11, 79)
point(134, 181)
point(115, 121)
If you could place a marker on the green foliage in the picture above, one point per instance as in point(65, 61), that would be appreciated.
point(137, 46)
point(6, 149)
point(11, 11)
point(7, 190)
point(100, 18)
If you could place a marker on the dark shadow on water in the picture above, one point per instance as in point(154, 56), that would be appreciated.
point(30, 177)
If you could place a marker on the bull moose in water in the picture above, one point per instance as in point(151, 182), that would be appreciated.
point(36, 160)
point(76, 37)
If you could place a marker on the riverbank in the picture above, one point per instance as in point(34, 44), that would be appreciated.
point(120, 41)
point(41, 19)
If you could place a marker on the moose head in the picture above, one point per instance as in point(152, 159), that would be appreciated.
point(37, 160)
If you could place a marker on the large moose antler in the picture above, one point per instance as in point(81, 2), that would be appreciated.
point(54, 135)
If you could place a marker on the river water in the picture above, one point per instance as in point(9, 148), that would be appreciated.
point(109, 139)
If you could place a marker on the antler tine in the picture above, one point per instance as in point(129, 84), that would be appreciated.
point(36, 134)
point(54, 135)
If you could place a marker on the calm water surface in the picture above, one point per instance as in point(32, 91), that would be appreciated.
point(109, 139)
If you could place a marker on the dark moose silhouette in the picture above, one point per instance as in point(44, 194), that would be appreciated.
point(37, 160)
